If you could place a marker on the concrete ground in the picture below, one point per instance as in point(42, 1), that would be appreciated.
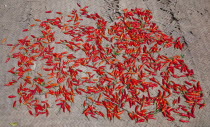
point(187, 18)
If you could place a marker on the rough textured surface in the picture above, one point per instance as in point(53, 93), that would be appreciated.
point(186, 18)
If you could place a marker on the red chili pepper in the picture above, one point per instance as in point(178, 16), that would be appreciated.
point(184, 121)
point(48, 11)
point(7, 60)
point(51, 85)
point(14, 104)
point(11, 96)
point(30, 112)
point(125, 72)
point(59, 12)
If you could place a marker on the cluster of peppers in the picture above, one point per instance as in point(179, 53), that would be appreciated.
point(120, 68)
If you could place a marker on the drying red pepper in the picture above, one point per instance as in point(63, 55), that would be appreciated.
point(125, 65)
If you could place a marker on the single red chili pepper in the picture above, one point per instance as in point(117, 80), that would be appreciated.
point(11, 96)
point(14, 104)
point(25, 30)
point(48, 11)
point(30, 112)
point(59, 12)
point(184, 121)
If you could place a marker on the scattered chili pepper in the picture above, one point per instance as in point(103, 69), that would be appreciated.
point(130, 70)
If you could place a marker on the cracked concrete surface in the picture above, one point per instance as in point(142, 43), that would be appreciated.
point(188, 19)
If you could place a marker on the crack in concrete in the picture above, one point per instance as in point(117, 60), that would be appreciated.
point(113, 6)
point(174, 18)
point(28, 15)
point(167, 2)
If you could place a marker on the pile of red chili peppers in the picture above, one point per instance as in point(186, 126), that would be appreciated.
point(119, 69)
